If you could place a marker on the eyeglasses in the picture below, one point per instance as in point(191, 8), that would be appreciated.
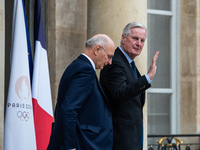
point(108, 55)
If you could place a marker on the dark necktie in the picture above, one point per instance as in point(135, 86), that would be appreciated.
point(134, 69)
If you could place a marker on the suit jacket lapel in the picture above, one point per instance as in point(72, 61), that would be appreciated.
point(127, 65)
point(101, 90)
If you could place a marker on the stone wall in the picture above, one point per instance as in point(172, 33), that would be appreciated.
point(2, 67)
point(67, 34)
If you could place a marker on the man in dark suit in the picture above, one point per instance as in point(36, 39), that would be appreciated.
point(125, 88)
point(83, 119)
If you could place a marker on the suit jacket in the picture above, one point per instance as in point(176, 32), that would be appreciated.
point(126, 96)
point(82, 117)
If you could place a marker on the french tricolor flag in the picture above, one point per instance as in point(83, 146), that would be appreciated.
point(41, 91)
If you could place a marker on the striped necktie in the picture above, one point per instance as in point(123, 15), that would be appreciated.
point(134, 69)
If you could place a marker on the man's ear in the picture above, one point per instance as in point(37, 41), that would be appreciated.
point(97, 49)
point(123, 37)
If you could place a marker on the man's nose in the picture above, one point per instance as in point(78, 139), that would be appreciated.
point(110, 61)
point(139, 42)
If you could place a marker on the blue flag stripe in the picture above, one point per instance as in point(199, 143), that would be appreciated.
point(28, 44)
point(39, 31)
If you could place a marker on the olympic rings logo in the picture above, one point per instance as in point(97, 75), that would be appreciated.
point(23, 115)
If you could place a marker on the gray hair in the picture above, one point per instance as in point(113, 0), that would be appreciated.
point(97, 40)
point(128, 27)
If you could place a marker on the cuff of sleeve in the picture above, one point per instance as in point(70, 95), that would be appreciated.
point(148, 79)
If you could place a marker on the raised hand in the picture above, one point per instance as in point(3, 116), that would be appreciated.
point(152, 69)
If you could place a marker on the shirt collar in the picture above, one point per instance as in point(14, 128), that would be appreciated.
point(126, 55)
point(91, 61)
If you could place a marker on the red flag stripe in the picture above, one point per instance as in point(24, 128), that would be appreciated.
point(42, 119)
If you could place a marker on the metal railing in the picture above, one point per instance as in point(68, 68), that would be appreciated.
point(174, 142)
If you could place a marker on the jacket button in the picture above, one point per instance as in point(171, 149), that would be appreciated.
point(110, 115)
point(111, 130)
point(142, 87)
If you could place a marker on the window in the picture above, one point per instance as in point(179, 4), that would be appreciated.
point(163, 95)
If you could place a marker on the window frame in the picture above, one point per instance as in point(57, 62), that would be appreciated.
point(174, 65)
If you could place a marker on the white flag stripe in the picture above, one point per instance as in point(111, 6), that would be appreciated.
point(19, 131)
point(41, 82)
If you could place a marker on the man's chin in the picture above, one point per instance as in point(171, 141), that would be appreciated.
point(137, 53)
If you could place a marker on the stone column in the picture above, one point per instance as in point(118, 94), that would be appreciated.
point(110, 17)
point(198, 66)
point(189, 68)
point(67, 29)
point(2, 69)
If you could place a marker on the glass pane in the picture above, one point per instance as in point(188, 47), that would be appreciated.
point(159, 113)
point(158, 104)
point(159, 40)
point(158, 125)
point(159, 4)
